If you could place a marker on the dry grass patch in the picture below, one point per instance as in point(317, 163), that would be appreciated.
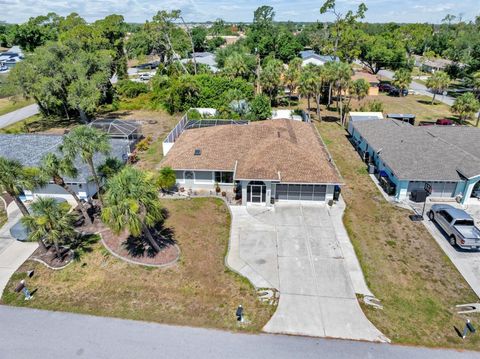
point(3, 217)
point(199, 290)
point(403, 265)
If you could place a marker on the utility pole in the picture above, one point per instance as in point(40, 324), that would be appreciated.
point(258, 88)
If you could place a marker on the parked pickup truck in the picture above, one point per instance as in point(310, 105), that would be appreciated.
point(458, 225)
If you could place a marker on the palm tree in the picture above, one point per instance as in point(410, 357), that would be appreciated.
point(14, 178)
point(166, 178)
point(330, 77)
point(475, 81)
point(131, 202)
point(317, 87)
point(438, 82)
point(306, 82)
point(359, 88)
point(343, 75)
point(236, 65)
point(50, 222)
point(86, 141)
point(270, 78)
point(56, 168)
point(291, 77)
point(402, 79)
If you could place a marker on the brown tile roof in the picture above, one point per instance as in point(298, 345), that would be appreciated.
point(285, 150)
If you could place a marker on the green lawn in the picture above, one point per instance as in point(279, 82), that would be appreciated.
point(9, 104)
point(403, 265)
point(197, 291)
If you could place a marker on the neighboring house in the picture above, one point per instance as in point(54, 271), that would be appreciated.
point(371, 79)
point(362, 116)
point(310, 57)
point(229, 39)
point(266, 161)
point(10, 58)
point(433, 65)
point(447, 157)
point(205, 58)
point(30, 148)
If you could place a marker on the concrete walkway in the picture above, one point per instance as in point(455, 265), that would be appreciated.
point(304, 252)
point(12, 252)
point(18, 115)
point(28, 333)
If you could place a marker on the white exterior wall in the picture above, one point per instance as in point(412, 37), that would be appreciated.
point(85, 191)
point(203, 180)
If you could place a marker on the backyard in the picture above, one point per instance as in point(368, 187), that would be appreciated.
point(403, 265)
point(198, 291)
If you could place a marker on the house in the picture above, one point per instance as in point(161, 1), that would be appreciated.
point(10, 58)
point(446, 157)
point(264, 161)
point(310, 57)
point(434, 64)
point(362, 116)
point(30, 148)
point(370, 78)
point(205, 58)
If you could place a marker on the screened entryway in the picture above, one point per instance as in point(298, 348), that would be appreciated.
point(439, 189)
point(256, 192)
point(300, 192)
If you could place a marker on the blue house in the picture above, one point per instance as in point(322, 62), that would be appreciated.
point(447, 157)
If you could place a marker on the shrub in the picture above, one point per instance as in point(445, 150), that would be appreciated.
point(144, 144)
point(131, 89)
point(260, 108)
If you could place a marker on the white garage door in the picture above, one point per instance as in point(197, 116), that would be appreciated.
point(300, 192)
point(439, 189)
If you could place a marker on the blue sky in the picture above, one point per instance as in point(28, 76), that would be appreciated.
point(204, 10)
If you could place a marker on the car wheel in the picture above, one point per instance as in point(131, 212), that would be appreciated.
point(431, 215)
point(453, 241)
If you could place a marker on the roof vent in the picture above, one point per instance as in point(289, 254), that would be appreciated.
point(197, 152)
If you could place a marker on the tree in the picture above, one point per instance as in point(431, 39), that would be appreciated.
point(199, 37)
point(343, 74)
point(438, 83)
point(14, 178)
point(342, 22)
point(86, 141)
point(402, 79)
point(166, 178)
point(55, 169)
point(110, 167)
point(260, 108)
point(270, 78)
point(291, 77)
point(466, 106)
point(381, 51)
point(307, 83)
point(50, 222)
point(359, 89)
point(36, 31)
point(317, 85)
point(131, 202)
point(239, 65)
point(287, 46)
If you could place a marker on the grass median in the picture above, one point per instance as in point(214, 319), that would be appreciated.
point(403, 265)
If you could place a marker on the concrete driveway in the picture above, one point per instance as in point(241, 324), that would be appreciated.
point(467, 262)
point(12, 252)
point(18, 115)
point(294, 248)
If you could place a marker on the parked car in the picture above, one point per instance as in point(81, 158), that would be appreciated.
point(444, 122)
point(457, 224)
point(396, 92)
point(384, 87)
point(145, 77)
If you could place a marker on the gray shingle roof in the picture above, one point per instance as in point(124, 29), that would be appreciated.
point(30, 148)
point(433, 153)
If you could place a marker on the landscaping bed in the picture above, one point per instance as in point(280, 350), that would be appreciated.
point(49, 258)
point(404, 267)
point(197, 291)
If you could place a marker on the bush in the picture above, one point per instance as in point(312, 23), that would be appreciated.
point(131, 89)
point(373, 106)
point(260, 108)
point(144, 144)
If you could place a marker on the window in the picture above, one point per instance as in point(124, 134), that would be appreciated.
point(447, 216)
point(224, 177)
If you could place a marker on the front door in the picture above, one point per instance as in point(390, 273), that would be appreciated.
point(256, 192)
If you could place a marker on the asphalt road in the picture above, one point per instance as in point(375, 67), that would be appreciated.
point(28, 333)
point(18, 115)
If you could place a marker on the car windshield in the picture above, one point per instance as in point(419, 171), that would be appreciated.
point(464, 222)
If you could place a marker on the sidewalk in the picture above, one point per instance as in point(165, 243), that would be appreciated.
point(12, 252)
